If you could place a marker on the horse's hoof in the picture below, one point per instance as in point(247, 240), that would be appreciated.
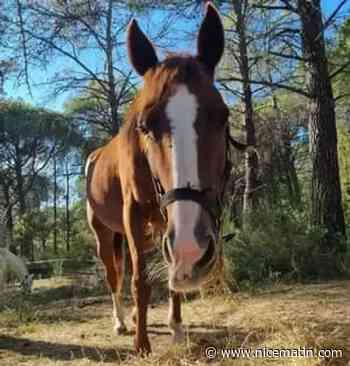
point(121, 329)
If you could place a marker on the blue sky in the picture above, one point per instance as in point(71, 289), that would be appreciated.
point(40, 95)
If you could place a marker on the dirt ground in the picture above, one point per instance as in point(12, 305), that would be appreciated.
point(63, 324)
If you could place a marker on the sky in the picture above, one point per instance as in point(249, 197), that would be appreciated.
point(40, 94)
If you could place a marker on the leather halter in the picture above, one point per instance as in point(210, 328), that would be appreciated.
point(188, 194)
point(212, 207)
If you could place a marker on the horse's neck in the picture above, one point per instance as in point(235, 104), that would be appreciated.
point(15, 264)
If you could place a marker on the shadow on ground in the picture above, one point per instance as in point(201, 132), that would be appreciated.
point(63, 352)
point(200, 335)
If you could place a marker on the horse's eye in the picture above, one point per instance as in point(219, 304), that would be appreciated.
point(147, 120)
point(141, 126)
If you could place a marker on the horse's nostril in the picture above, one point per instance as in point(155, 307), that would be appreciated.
point(208, 255)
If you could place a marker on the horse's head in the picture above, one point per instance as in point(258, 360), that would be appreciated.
point(27, 284)
point(182, 121)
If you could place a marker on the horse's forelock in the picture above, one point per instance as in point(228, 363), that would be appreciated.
point(173, 70)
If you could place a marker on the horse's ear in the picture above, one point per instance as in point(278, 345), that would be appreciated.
point(211, 41)
point(142, 54)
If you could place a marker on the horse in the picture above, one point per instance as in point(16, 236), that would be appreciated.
point(164, 172)
point(10, 263)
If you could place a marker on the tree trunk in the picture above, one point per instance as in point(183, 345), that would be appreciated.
point(9, 231)
point(112, 99)
point(67, 209)
point(326, 205)
point(251, 161)
point(7, 220)
point(55, 247)
point(25, 245)
point(43, 244)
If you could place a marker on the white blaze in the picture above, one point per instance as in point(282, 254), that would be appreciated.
point(182, 112)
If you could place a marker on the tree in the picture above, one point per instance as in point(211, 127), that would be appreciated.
point(250, 65)
point(339, 57)
point(326, 202)
point(344, 162)
point(91, 112)
point(76, 32)
point(280, 132)
point(83, 40)
point(326, 206)
point(29, 139)
point(251, 162)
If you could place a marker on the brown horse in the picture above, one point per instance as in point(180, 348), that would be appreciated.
point(164, 172)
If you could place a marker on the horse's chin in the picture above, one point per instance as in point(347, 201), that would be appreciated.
point(200, 278)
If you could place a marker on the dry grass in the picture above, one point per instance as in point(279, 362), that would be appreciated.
point(76, 330)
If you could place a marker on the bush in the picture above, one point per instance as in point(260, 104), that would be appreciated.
point(278, 245)
point(57, 268)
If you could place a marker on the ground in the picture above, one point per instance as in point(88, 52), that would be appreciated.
point(63, 324)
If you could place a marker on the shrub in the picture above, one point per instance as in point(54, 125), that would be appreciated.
point(279, 245)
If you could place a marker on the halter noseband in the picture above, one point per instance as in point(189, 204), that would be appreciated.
point(212, 207)
point(188, 194)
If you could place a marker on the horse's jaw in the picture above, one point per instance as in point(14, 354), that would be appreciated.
point(200, 277)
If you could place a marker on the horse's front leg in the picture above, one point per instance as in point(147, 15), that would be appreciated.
point(174, 317)
point(141, 290)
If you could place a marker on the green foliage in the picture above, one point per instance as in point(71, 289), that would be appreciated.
point(33, 227)
point(83, 243)
point(340, 56)
point(277, 244)
point(136, 6)
point(91, 111)
point(57, 268)
point(19, 310)
point(33, 125)
point(344, 162)
point(36, 229)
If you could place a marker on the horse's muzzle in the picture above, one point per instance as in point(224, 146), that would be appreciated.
point(188, 270)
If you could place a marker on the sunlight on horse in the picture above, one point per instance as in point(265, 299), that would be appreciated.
point(165, 173)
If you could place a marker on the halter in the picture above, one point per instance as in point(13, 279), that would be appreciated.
point(212, 207)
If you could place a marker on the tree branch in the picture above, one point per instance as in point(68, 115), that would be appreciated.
point(289, 6)
point(341, 69)
point(67, 54)
point(270, 7)
point(341, 96)
point(291, 57)
point(267, 83)
point(332, 16)
point(24, 46)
